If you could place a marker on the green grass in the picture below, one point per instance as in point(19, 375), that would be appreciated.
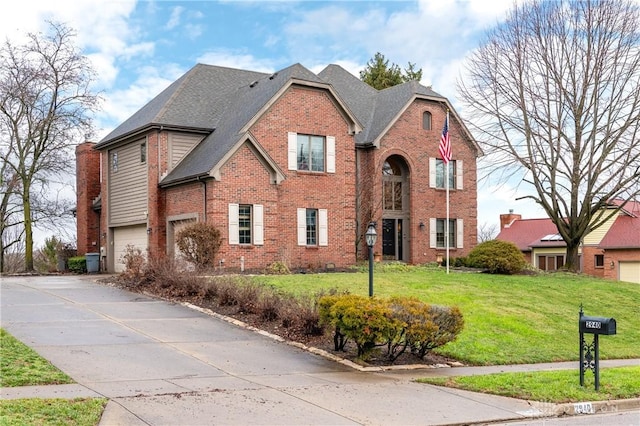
point(509, 319)
point(51, 412)
point(22, 366)
point(551, 386)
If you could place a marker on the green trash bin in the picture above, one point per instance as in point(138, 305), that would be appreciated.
point(93, 262)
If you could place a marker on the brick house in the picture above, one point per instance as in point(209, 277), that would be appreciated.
point(290, 166)
point(611, 251)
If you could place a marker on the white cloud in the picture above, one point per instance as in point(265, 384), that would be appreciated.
point(233, 59)
point(174, 19)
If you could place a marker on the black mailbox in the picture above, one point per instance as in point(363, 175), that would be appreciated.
point(597, 325)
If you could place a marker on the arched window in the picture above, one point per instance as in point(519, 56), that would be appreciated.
point(392, 185)
point(426, 120)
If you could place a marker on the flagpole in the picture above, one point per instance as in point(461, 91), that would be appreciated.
point(446, 174)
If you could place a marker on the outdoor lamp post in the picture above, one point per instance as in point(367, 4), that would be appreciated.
point(371, 238)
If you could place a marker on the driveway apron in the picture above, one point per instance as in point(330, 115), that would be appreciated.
point(162, 363)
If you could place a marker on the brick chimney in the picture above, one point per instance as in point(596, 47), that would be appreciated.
point(87, 190)
point(507, 219)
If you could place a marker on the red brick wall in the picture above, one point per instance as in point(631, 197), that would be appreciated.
point(308, 111)
point(157, 154)
point(588, 262)
point(87, 189)
point(615, 256)
point(408, 139)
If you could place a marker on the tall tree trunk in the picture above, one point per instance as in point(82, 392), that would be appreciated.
point(28, 232)
point(572, 262)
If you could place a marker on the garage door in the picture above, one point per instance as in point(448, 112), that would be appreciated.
point(630, 271)
point(125, 235)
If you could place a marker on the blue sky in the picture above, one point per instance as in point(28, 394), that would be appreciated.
point(139, 47)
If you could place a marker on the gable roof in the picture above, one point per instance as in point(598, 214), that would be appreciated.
point(624, 233)
point(195, 101)
point(527, 233)
point(243, 106)
point(379, 109)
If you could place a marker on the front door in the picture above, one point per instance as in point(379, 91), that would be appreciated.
point(392, 239)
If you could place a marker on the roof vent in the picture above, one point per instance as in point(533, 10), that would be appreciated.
point(272, 76)
point(253, 84)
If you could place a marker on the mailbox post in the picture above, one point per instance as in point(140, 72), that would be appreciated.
point(590, 353)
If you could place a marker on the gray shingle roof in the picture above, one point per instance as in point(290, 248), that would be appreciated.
point(243, 104)
point(222, 101)
point(375, 109)
point(194, 101)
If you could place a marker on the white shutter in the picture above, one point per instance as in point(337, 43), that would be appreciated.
point(323, 232)
point(459, 176)
point(302, 227)
point(292, 150)
point(331, 154)
point(234, 228)
point(258, 224)
point(432, 172)
point(433, 233)
point(460, 233)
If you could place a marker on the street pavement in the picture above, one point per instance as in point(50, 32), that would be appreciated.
point(162, 363)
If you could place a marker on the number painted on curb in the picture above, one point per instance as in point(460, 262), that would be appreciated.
point(583, 408)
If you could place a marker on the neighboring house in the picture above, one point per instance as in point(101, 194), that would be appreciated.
point(611, 251)
point(289, 166)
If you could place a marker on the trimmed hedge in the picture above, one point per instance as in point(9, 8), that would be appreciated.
point(77, 264)
point(397, 324)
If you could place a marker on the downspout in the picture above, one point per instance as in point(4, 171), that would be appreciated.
point(204, 199)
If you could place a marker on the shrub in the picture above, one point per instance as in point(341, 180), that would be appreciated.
point(78, 264)
point(397, 323)
point(497, 257)
point(134, 261)
point(277, 268)
point(168, 276)
point(199, 243)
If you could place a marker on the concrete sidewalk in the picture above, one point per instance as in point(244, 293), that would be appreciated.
point(162, 363)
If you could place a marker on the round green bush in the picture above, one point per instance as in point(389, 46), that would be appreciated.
point(497, 257)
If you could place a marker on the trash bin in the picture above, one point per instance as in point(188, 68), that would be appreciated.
point(93, 262)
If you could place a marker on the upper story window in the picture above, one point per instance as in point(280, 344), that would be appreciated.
point(437, 172)
point(312, 153)
point(143, 152)
point(440, 173)
point(426, 120)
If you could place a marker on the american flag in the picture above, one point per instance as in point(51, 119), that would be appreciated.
point(445, 143)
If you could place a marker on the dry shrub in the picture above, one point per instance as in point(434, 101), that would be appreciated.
point(199, 244)
point(168, 276)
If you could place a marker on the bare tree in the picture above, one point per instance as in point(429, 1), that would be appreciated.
point(45, 106)
point(487, 232)
point(554, 96)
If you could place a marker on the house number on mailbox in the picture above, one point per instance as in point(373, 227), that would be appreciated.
point(593, 324)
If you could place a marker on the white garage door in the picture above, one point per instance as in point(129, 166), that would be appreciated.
point(630, 271)
point(125, 235)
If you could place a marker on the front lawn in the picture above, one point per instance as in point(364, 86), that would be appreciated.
point(50, 412)
point(509, 319)
point(22, 366)
point(551, 386)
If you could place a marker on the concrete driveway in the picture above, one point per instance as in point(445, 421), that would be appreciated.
point(165, 364)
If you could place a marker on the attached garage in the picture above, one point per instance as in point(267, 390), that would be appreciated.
point(124, 236)
point(630, 271)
